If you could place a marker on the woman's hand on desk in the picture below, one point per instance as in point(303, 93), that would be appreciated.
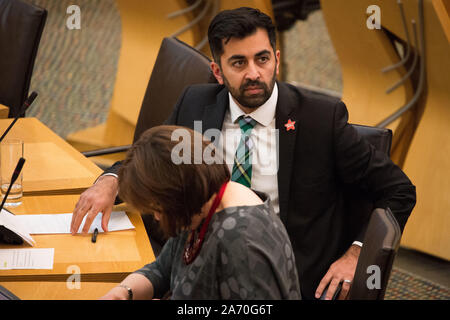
point(98, 198)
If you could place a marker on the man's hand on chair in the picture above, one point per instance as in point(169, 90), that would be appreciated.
point(342, 269)
point(98, 198)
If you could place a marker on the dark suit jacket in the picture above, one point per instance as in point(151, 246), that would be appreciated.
point(317, 159)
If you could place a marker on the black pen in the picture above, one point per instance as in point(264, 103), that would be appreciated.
point(94, 236)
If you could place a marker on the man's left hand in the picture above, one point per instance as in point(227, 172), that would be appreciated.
point(340, 270)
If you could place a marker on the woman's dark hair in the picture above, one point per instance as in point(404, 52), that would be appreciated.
point(150, 180)
point(237, 23)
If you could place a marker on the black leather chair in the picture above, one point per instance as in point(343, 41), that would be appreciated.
point(21, 26)
point(375, 262)
point(359, 202)
point(177, 66)
point(382, 232)
point(380, 138)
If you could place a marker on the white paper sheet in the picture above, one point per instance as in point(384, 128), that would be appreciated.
point(60, 223)
point(26, 258)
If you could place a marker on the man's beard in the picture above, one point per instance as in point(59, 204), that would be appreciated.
point(251, 101)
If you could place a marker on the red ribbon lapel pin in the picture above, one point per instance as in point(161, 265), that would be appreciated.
point(290, 125)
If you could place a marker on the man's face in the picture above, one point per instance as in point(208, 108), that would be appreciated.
point(248, 69)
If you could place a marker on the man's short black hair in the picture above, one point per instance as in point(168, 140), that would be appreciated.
point(237, 23)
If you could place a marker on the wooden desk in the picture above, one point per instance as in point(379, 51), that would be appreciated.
point(110, 259)
point(49, 290)
point(52, 165)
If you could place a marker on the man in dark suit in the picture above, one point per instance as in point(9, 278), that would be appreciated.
point(304, 170)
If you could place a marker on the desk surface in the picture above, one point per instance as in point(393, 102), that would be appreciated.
point(110, 259)
point(52, 165)
point(50, 290)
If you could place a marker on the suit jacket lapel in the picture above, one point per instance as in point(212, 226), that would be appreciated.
point(284, 114)
point(215, 113)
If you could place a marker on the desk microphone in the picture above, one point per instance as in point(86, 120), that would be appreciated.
point(14, 177)
point(24, 107)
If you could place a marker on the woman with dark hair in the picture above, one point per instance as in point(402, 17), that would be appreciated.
point(226, 242)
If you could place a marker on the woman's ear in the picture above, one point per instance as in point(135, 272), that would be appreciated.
point(217, 72)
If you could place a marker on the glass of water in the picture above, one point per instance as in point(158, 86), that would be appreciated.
point(11, 151)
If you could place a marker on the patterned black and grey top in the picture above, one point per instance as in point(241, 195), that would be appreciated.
point(246, 254)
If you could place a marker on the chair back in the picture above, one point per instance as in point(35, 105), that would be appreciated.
point(374, 266)
point(380, 138)
point(21, 26)
point(359, 202)
point(177, 66)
